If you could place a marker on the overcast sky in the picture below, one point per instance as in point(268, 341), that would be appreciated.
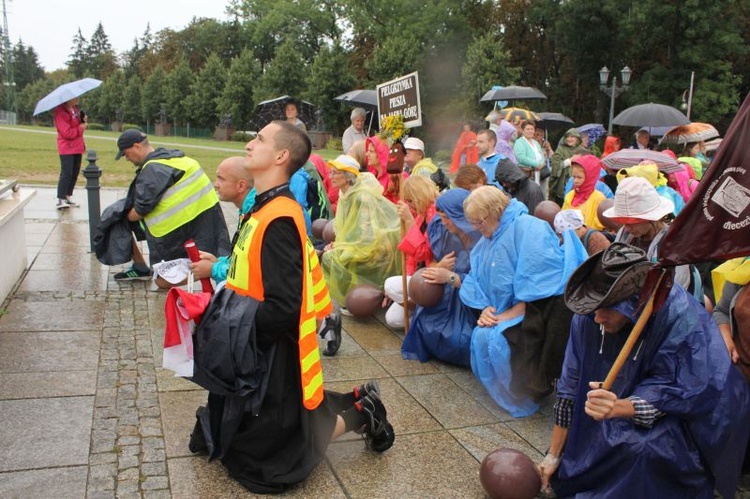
point(49, 25)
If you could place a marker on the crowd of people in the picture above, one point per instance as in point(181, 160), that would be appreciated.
point(517, 242)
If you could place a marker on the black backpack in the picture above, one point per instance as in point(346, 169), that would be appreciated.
point(440, 179)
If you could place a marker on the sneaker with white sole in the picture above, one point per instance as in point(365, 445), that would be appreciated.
point(69, 201)
point(133, 274)
point(62, 205)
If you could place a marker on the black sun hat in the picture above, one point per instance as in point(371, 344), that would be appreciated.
point(606, 278)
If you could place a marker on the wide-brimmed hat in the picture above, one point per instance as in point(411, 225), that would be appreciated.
point(345, 163)
point(606, 278)
point(636, 200)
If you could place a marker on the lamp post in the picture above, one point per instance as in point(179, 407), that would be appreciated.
point(613, 91)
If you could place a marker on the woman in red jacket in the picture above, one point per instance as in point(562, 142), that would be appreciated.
point(70, 123)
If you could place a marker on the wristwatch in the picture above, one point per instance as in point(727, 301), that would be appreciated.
point(452, 279)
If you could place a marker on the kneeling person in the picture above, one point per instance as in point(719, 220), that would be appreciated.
point(674, 423)
point(175, 202)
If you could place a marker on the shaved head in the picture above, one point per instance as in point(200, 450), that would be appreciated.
point(233, 180)
point(236, 167)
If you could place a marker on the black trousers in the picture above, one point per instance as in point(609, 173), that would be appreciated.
point(70, 166)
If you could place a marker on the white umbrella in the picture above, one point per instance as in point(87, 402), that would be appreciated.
point(64, 93)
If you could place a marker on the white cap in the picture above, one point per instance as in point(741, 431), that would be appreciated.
point(414, 143)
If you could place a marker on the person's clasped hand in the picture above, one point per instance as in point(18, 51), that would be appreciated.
point(600, 403)
point(448, 261)
point(488, 318)
point(202, 268)
point(436, 275)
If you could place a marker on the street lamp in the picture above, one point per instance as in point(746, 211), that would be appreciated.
point(614, 91)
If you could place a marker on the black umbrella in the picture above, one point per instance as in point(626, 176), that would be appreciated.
point(548, 121)
point(273, 109)
point(651, 115)
point(363, 97)
point(512, 93)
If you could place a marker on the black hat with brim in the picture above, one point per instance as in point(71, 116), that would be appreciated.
point(606, 278)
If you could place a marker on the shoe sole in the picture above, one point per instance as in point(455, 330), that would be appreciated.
point(144, 278)
point(63, 207)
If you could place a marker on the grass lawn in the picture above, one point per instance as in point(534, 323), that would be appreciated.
point(29, 154)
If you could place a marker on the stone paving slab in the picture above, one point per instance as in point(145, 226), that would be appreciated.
point(446, 401)
point(195, 477)
point(49, 314)
point(60, 483)
point(44, 433)
point(65, 279)
point(49, 351)
point(423, 465)
point(47, 384)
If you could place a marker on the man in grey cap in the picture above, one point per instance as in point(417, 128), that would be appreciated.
point(174, 201)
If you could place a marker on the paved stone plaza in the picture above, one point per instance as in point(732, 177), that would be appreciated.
point(88, 412)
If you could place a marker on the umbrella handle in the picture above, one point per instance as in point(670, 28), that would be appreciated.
point(633, 338)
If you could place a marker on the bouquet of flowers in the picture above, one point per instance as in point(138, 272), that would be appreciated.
point(392, 129)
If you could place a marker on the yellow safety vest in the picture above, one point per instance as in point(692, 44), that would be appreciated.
point(245, 278)
point(184, 201)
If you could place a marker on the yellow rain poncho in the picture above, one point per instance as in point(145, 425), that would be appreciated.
point(368, 231)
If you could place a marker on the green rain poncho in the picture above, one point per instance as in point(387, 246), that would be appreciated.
point(368, 230)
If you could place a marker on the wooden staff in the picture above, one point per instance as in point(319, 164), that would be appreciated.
point(403, 260)
point(633, 338)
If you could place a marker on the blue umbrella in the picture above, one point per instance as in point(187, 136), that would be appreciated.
point(64, 93)
point(595, 131)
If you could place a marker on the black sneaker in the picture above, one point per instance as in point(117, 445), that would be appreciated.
point(378, 432)
point(133, 274)
point(363, 391)
point(69, 201)
point(197, 443)
point(332, 331)
point(62, 205)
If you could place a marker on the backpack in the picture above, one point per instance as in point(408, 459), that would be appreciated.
point(317, 199)
point(440, 179)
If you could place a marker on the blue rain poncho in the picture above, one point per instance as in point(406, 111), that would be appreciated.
point(444, 331)
point(680, 366)
point(368, 230)
point(522, 262)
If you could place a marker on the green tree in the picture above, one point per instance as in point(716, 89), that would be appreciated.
point(30, 95)
point(79, 63)
point(153, 95)
point(398, 55)
point(487, 64)
point(108, 98)
point(26, 65)
point(100, 54)
point(179, 81)
point(331, 75)
point(284, 75)
point(270, 23)
point(131, 100)
point(206, 92)
point(238, 99)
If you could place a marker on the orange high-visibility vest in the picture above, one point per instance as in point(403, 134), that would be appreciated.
point(245, 277)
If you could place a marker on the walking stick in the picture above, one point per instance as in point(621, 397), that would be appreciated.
point(405, 287)
point(633, 338)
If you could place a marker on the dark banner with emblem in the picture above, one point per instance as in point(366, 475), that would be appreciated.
point(715, 223)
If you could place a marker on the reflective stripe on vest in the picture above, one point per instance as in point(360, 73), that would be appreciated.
point(245, 278)
point(184, 201)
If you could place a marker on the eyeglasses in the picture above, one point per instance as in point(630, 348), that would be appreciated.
point(476, 224)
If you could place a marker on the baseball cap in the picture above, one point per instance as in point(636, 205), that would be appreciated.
point(128, 139)
point(414, 143)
